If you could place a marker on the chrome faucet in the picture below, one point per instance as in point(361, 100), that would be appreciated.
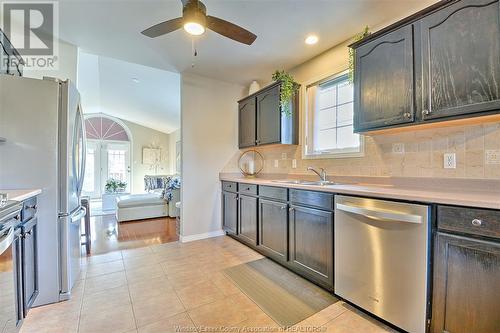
point(322, 174)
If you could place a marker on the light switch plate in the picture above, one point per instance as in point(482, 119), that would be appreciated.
point(398, 148)
point(283, 156)
point(450, 161)
point(492, 156)
point(276, 163)
point(294, 164)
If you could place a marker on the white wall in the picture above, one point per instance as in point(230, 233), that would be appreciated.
point(68, 64)
point(145, 137)
point(209, 114)
point(173, 138)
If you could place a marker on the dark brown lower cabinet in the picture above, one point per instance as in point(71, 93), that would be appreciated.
point(466, 295)
point(273, 229)
point(247, 212)
point(18, 275)
point(30, 263)
point(230, 212)
point(311, 244)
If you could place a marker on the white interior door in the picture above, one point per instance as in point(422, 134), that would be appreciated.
point(92, 180)
point(115, 162)
point(105, 160)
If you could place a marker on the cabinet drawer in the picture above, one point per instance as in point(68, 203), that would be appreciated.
point(247, 189)
point(229, 186)
point(311, 198)
point(474, 221)
point(271, 192)
point(29, 209)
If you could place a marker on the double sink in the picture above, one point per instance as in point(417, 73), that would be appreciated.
point(305, 182)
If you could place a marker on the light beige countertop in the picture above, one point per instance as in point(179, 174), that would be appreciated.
point(20, 195)
point(461, 192)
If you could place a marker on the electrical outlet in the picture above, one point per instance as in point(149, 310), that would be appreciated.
point(492, 156)
point(398, 148)
point(283, 156)
point(450, 161)
point(276, 163)
point(294, 164)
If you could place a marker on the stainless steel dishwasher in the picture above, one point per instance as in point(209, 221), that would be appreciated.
point(381, 258)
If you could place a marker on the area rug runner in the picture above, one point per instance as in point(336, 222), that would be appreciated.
point(284, 296)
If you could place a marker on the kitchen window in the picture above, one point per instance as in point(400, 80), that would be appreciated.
point(329, 120)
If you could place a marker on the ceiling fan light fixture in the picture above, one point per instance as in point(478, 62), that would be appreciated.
point(194, 28)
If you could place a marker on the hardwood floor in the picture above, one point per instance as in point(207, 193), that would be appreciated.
point(109, 235)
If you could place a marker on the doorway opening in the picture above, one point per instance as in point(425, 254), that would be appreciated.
point(108, 154)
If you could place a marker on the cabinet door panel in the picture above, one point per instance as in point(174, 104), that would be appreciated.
point(30, 264)
point(384, 87)
point(269, 116)
point(466, 297)
point(18, 275)
point(273, 229)
point(248, 219)
point(230, 212)
point(247, 123)
point(311, 244)
point(461, 59)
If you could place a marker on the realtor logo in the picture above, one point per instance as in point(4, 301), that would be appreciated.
point(32, 28)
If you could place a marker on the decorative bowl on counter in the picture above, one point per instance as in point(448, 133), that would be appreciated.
point(251, 163)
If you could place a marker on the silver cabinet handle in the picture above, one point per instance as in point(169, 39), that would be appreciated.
point(291, 209)
point(34, 207)
point(426, 112)
point(377, 214)
point(407, 115)
point(477, 222)
point(283, 207)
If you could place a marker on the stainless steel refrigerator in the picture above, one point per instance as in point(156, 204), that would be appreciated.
point(44, 146)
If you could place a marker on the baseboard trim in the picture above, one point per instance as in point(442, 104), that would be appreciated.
point(191, 238)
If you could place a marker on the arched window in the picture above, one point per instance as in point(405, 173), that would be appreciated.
point(104, 128)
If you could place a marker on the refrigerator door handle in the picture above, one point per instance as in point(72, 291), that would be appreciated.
point(83, 158)
point(78, 215)
point(379, 214)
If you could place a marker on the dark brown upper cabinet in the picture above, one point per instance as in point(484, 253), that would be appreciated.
point(384, 83)
point(442, 63)
point(247, 123)
point(461, 59)
point(269, 116)
point(261, 122)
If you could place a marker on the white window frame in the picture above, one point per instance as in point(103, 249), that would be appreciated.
point(308, 125)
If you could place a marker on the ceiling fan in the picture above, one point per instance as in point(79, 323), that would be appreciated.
point(195, 21)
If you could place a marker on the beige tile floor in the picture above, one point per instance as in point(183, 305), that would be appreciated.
point(174, 287)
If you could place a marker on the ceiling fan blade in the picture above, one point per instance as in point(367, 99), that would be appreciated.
point(163, 28)
point(230, 30)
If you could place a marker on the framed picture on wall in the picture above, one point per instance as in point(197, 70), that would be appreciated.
point(151, 156)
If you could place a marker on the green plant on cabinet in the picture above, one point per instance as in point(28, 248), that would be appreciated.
point(288, 90)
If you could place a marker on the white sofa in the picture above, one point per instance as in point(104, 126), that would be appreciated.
point(146, 206)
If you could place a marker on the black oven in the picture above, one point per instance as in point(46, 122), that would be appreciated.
point(9, 314)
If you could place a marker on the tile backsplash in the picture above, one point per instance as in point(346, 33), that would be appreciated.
point(416, 153)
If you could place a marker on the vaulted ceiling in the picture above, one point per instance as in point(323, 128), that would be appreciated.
point(137, 93)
